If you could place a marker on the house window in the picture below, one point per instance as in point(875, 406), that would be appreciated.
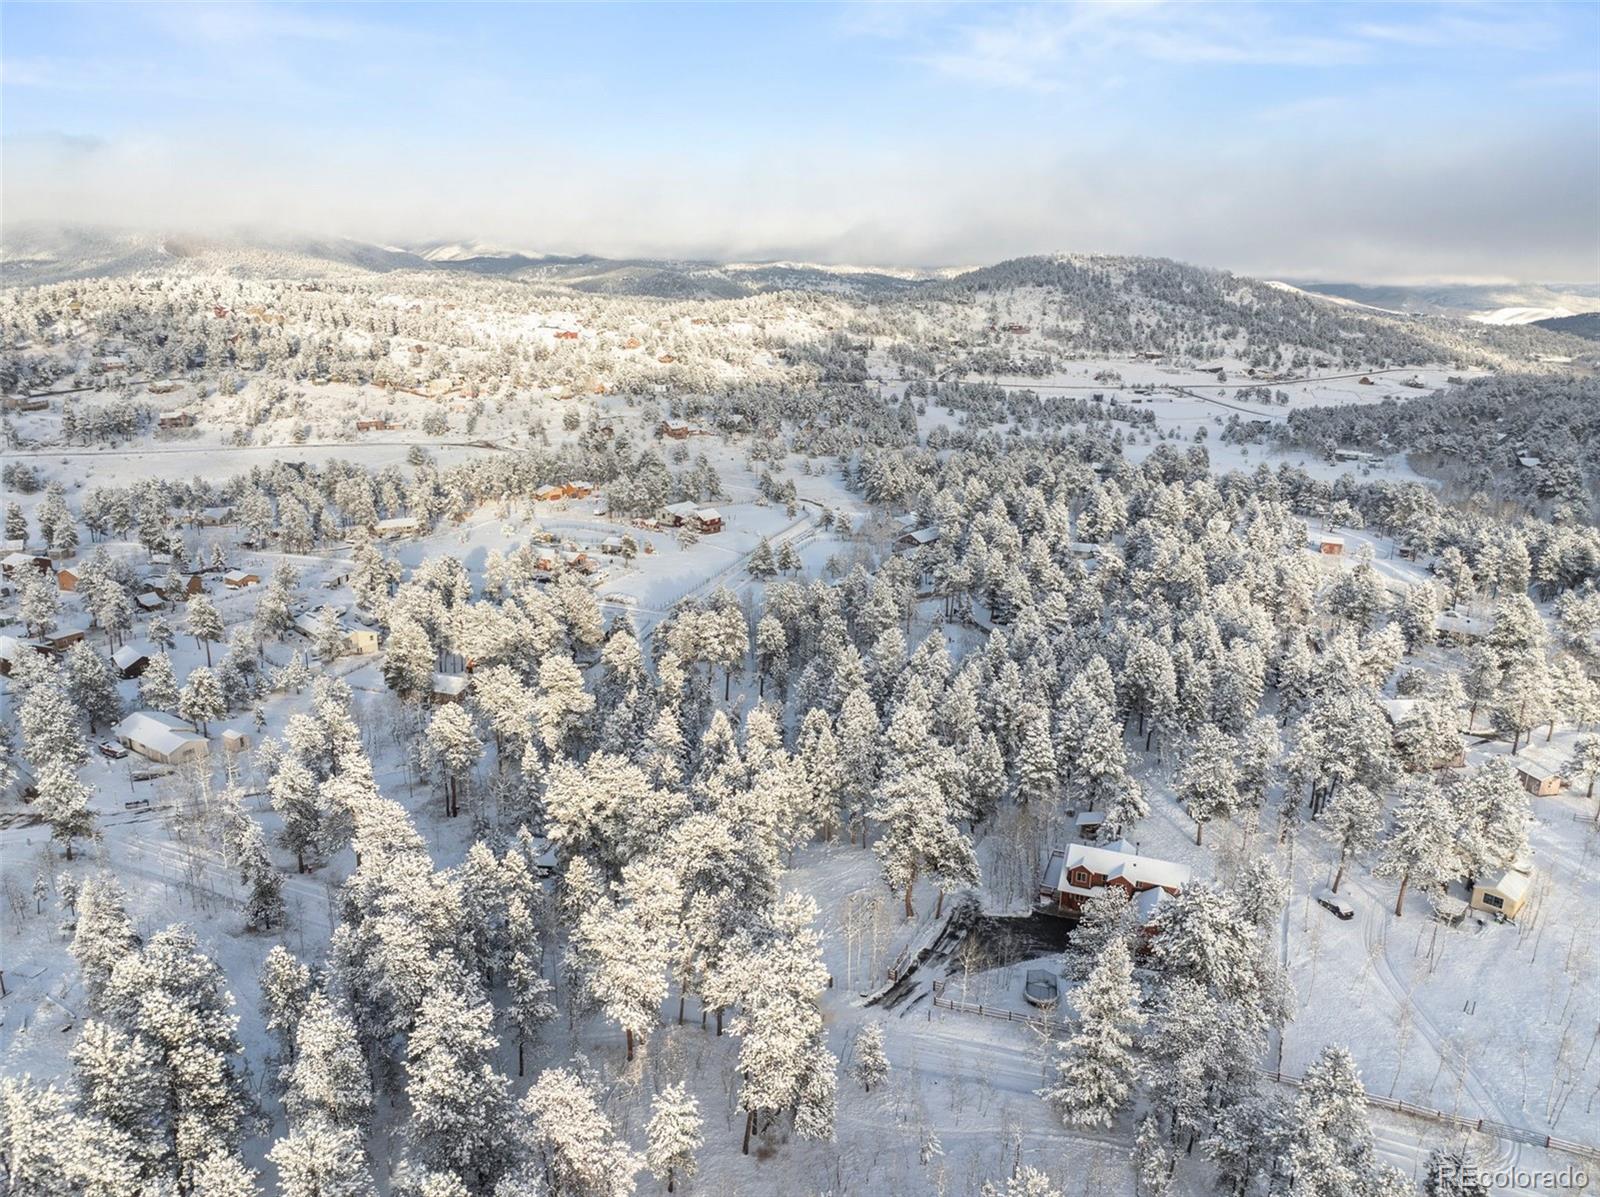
point(1080, 877)
point(1493, 900)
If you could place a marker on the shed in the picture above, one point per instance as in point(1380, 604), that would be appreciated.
point(1503, 896)
point(449, 687)
point(13, 563)
point(1331, 546)
point(1539, 779)
point(234, 740)
point(67, 578)
point(238, 579)
point(130, 661)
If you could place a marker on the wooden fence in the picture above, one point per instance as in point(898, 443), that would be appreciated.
point(1487, 1126)
point(1047, 1025)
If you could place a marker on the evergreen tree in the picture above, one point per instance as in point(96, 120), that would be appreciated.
point(91, 686)
point(158, 685)
point(573, 1140)
point(675, 1135)
point(1421, 843)
point(459, 1101)
point(1095, 1068)
point(1352, 823)
point(319, 1160)
point(201, 700)
point(203, 623)
point(63, 802)
point(871, 1065)
point(1209, 782)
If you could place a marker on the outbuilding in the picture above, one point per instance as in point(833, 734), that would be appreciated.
point(131, 662)
point(1503, 896)
point(449, 687)
point(1539, 779)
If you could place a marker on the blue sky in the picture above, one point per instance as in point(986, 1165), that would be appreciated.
point(1355, 141)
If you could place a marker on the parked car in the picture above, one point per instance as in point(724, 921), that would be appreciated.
point(112, 749)
point(1335, 905)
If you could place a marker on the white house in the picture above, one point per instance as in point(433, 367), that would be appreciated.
point(357, 641)
point(161, 737)
point(400, 525)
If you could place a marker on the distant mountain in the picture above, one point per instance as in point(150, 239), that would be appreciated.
point(1074, 303)
point(1508, 303)
point(31, 256)
point(1586, 325)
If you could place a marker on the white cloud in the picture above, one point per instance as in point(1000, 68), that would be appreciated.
point(1518, 206)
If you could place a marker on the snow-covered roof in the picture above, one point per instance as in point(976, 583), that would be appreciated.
point(1399, 710)
point(239, 575)
point(1325, 538)
point(1115, 861)
point(449, 683)
point(13, 560)
point(1147, 903)
point(128, 655)
point(681, 510)
point(396, 522)
point(1510, 884)
point(1460, 625)
point(158, 730)
point(707, 514)
point(1538, 770)
point(923, 535)
point(11, 647)
point(1089, 818)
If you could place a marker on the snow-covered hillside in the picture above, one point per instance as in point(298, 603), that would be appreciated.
point(484, 735)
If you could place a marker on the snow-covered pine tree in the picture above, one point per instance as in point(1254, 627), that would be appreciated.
point(674, 1135)
point(328, 1080)
point(91, 686)
point(871, 1065)
point(1096, 1068)
point(459, 1101)
point(1421, 843)
point(285, 991)
point(158, 685)
point(104, 934)
point(569, 1136)
point(204, 623)
point(321, 1160)
point(201, 700)
point(1208, 783)
point(63, 803)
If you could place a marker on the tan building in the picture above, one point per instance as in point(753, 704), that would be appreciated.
point(1503, 896)
point(1539, 779)
point(160, 737)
